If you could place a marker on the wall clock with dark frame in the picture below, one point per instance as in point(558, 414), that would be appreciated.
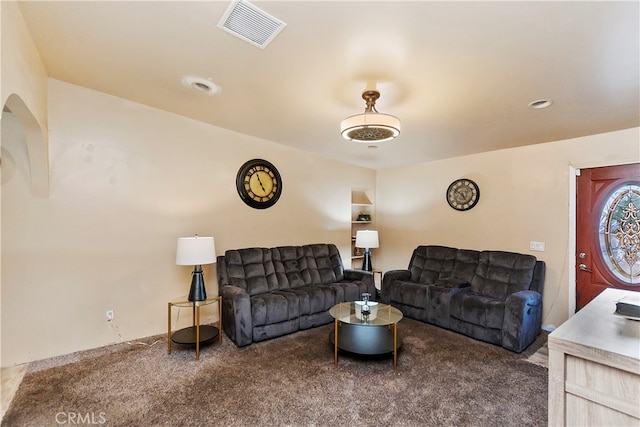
point(463, 194)
point(259, 183)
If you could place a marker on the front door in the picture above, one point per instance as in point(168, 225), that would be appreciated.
point(607, 231)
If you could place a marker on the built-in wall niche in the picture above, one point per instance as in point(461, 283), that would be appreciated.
point(362, 218)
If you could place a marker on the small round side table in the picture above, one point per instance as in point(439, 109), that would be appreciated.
point(196, 334)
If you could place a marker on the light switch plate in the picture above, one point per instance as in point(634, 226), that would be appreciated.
point(536, 246)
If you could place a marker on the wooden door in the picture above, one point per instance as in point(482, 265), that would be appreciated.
point(607, 231)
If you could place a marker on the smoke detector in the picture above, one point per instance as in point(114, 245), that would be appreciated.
point(251, 24)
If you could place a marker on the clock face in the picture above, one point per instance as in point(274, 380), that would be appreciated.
point(259, 184)
point(463, 194)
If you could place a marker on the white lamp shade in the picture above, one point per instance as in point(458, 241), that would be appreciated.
point(195, 251)
point(367, 239)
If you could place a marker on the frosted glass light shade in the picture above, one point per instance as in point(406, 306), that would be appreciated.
point(195, 251)
point(370, 127)
point(367, 239)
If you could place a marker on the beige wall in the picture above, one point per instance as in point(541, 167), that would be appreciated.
point(126, 182)
point(525, 196)
point(23, 72)
point(23, 88)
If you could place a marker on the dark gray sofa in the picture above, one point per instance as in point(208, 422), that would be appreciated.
point(493, 296)
point(269, 292)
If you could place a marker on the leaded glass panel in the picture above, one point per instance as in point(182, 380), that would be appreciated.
point(619, 233)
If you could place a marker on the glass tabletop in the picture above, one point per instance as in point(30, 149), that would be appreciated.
point(184, 302)
point(352, 313)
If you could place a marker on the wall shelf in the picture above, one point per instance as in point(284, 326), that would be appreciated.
point(360, 204)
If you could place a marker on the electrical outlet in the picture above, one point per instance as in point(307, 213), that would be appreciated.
point(109, 315)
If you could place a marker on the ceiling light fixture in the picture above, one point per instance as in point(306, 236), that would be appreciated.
point(370, 126)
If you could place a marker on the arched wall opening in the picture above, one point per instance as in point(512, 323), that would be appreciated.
point(37, 146)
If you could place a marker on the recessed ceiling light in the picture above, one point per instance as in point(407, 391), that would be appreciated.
point(540, 104)
point(201, 85)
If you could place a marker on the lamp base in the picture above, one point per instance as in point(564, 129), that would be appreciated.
point(366, 262)
point(197, 291)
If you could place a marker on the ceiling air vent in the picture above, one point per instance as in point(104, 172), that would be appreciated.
point(245, 21)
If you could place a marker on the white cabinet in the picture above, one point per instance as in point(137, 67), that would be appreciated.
point(594, 367)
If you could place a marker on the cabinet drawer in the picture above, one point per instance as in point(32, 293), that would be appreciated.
point(583, 412)
point(603, 385)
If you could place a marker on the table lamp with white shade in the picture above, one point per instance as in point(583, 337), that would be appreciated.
point(196, 251)
point(367, 239)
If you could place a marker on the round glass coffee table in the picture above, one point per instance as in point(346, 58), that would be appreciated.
point(362, 333)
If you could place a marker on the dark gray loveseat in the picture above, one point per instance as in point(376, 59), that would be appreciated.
point(269, 292)
point(492, 296)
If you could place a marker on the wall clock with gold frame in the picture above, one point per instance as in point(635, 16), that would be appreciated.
point(463, 194)
point(259, 183)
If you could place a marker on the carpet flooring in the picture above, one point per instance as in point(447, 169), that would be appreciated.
point(443, 379)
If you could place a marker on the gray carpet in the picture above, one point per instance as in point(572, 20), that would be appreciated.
point(443, 379)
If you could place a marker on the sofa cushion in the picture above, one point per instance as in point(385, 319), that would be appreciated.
point(313, 299)
point(274, 307)
point(428, 262)
point(252, 269)
point(502, 273)
point(480, 310)
point(350, 291)
point(324, 263)
point(291, 266)
point(464, 266)
point(409, 293)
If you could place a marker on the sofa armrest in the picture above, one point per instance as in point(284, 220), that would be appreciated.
point(365, 276)
point(539, 271)
point(236, 315)
point(387, 281)
point(221, 271)
point(522, 320)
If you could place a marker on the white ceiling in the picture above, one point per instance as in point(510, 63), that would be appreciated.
point(459, 75)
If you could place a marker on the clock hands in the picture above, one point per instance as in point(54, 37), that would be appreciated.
point(260, 182)
point(460, 194)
